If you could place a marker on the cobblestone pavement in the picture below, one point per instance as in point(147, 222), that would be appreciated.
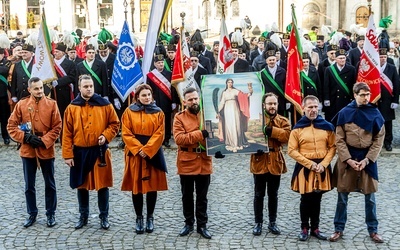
point(230, 211)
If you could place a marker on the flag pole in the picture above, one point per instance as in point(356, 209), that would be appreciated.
point(125, 4)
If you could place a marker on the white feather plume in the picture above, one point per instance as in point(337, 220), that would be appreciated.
point(306, 45)
point(276, 39)
point(68, 39)
point(336, 38)
point(354, 28)
point(135, 39)
point(93, 41)
point(4, 41)
point(267, 28)
point(32, 38)
point(274, 27)
point(325, 30)
point(237, 37)
point(53, 35)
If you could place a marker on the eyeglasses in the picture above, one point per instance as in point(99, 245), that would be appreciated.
point(364, 95)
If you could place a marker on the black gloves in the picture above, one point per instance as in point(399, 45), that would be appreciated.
point(219, 155)
point(33, 140)
point(268, 131)
point(205, 133)
point(260, 152)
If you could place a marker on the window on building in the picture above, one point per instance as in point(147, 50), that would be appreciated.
point(33, 13)
point(105, 12)
point(235, 8)
point(362, 15)
point(218, 4)
point(80, 13)
point(311, 15)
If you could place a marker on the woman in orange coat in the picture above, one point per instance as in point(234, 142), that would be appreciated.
point(145, 168)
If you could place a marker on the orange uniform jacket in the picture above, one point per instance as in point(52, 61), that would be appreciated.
point(82, 127)
point(187, 134)
point(273, 162)
point(46, 121)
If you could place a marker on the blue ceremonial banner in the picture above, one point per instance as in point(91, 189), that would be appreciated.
point(127, 73)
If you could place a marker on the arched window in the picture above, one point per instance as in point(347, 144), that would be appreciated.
point(235, 8)
point(362, 15)
point(33, 13)
point(218, 5)
point(105, 8)
point(311, 14)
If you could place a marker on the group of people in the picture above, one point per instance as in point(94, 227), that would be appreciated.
point(356, 133)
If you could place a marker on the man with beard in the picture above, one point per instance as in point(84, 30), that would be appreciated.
point(90, 123)
point(268, 167)
point(194, 166)
point(360, 133)
point(339, 79)
point(37, 146)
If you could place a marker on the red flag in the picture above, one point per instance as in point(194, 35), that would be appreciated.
point(369, 69)
point(294, 66)
point(178, 74)
point(225, 58)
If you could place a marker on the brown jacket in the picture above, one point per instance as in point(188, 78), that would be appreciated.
point(346, 179)
point(187, 134)
point(273, 162)
point(46, 121)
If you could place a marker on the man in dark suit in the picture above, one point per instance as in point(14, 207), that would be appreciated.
point(240, 65)
point(285, 47)
point(4, 88)
point(339, 80)
point(310, 79)
point(259, 50)
point(72, 56)
point(171, 53)
point(164, 94)
point(22, 73)
point(95, 68)
point(355, 54)
point(274, 79)
point(389, 101)
point(204, 61)
point(63, 87)
point(198, 71)
point(320, 48)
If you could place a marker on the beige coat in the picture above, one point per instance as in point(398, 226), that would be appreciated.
point(346, 179)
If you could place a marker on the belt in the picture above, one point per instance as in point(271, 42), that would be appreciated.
point(40, 133)
point(274, 149)
point(195, 150)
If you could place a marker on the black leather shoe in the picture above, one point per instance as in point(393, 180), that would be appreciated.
point(51, 221)
point(303, 236)
point(7, 141)
point(150, 225)
point(388, 147)
point(139, 229)
point(257, 229)
point(187, 229)
point(104, 223)
point(203, 231)
point(166, 144)
point(316, 233)
point(82, 222)
point(29, 222)
point(273, 228)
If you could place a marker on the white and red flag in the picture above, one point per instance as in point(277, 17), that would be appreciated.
point(225, 64)
point(369, 69)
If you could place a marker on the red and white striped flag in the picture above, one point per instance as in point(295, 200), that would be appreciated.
point(225, 64)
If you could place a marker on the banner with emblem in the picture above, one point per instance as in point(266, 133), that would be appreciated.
point(225, 64)
point(127, 73)
point(369, 69)
point(182, 73)
point(44, 61)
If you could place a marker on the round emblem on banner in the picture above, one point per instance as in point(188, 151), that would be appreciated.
point(126, 56)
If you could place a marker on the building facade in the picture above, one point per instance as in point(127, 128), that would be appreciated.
point(202, 14)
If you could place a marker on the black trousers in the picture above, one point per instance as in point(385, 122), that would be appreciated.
point(310, 208)
point(201, 182)
point(4, 115)
point(151, 198)
point(50, 192)
point(389, 133)
point(271, 183)
point(102, 200)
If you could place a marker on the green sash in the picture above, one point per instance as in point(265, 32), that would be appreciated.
point(167, 66)
point(276, 85)
point(92, 72)
point(4, 80)
point(25, 69)
point(309, 80)
point(341, 83)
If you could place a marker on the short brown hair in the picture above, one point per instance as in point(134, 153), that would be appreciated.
point(268, 95)
point(84, 77)
point(309, 97)
point(360, 86)
point(140, 88)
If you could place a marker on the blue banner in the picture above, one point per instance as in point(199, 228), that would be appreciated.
point(127, 73)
